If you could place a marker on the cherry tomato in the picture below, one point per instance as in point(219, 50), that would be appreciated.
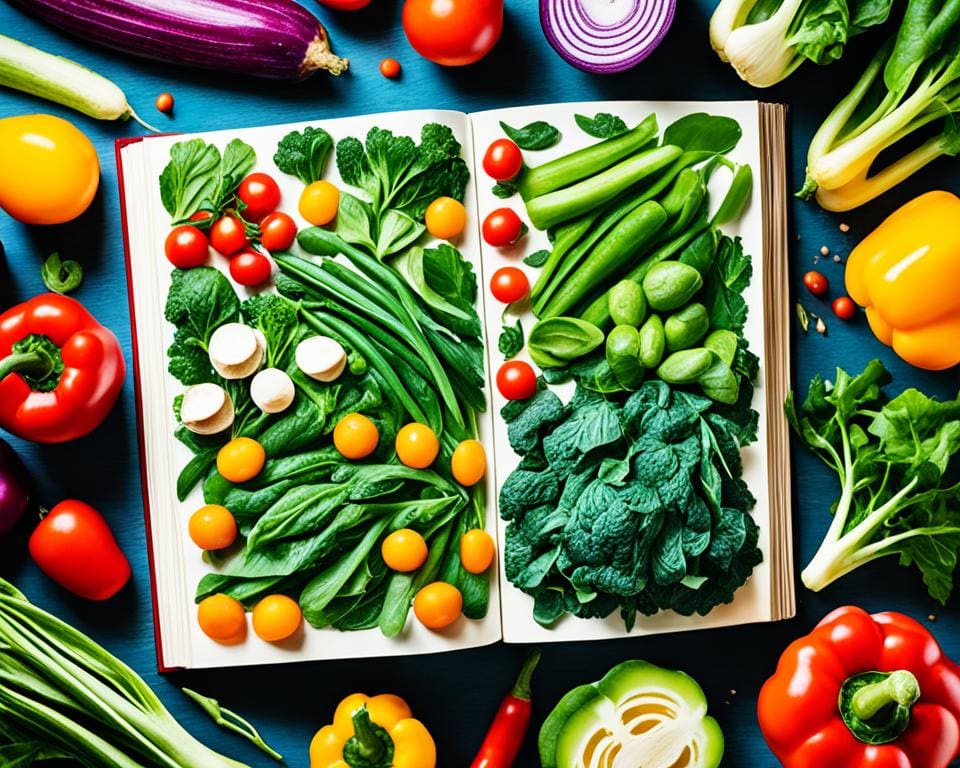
point(355, 436)
point(227, 235)
point(469, 462)
point(276, 618)
point(438, 605)
point(446, 218)
point(844, 308)
point(404, 550)
point(165, 102)
point(417, 445)
point(477, 550)
point(277, 231)
point(516, 380)
point(816, 283)
point(260, 193)
point(222, 618)
point(502, 227)
point(390, 68)
point(75, 547)
point(212, 527)
point(509, 284)
point(503, 160)
point(319, 203)
point(241, 459)
point(186, 247)
point(201, 216)
point(453, 32)
point(250, 267)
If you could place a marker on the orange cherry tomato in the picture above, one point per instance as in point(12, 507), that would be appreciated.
point(355, 436)
point(222, 618)
point(390, 68)
point(438, 605)
point(477, 550)
point(404, 550)
point(241, 459)
point(468, 463)
point(445, 218)
point(276, 618)
point(212, 527)
point(319, 203)
point(417, 445)
point(165, 102)
point(453, 32)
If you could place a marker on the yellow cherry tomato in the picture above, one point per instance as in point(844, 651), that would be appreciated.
point(222, 618)
point(355, 436)
point(212, 527)
point(276, 617)
point(404, 550)
point(469, 462)
point(241, 459)
point(477, 550)
point(319, 203)
point(446, 218)
point(417, 445)
point(438, 605)
point(49, 172)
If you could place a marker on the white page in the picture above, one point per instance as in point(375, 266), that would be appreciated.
point(752, 602)
point(148, 223)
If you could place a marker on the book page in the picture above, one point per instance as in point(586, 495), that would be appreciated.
point(178, 562)
point(752, 602)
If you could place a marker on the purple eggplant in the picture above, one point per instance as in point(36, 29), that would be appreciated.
point(276, 39)
point(14, 495)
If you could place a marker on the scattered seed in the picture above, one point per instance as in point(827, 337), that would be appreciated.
point(733, 691)
point(816, 259)
point(932, 617)
point(836, 258)
point(844, 227)
point(821, 326)
point(803, 317)
point(825, 250)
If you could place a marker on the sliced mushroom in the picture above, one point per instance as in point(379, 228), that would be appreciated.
point(236, 350)
point(321, 358)
point(206, 409)
point(272, 390)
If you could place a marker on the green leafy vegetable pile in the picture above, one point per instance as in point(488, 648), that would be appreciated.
point(892, 458)
point(304, 153)
point(632, 502)
point(197, 178)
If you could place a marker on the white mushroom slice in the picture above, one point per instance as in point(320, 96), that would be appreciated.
point(272, 390)
point(206, 409)
point(236, 350)
point(321, 358)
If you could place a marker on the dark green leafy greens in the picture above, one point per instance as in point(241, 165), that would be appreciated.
point(536, 135)
point(511, 340)
point(505, 189)
point(61, 276)
point(304, 153)
point(537, 258)
point(892, 458)
point(197, 178)
point(602, 126)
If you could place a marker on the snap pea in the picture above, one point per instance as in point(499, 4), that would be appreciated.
point(685, 328)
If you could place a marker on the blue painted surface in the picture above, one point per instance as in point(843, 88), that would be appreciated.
point(455, 693)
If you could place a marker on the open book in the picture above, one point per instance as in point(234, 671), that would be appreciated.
point(178, 566)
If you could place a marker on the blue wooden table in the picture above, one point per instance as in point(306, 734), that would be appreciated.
point(457, 693)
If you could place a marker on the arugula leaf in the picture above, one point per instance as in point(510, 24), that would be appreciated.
point(304, 153)
point(511, 340)
point(536, 135)
point(602, 126)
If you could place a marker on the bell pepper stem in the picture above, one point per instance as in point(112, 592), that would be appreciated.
point(522, 689)
point(369, 746)
point(900, 687)
point(34, 362)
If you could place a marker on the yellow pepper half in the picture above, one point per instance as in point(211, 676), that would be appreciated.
point(373, 732)
point(907, 275)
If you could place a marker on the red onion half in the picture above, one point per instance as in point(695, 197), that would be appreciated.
point(605, 36)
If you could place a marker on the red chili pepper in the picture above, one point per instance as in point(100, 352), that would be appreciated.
point(60, 370)
point(505, 736)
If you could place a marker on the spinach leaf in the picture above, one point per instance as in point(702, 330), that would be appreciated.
point(505, 189)
point(511, 340)
point(536, 135)
point(304, 153)
point(700, 132)
point(197, 178)
point(398, 231)
point(602, 126)
point(355, 222)
point(537, 258)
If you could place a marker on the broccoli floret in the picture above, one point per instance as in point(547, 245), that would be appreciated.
point(304, 154)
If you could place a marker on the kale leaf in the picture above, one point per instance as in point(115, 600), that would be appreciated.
point(304, 153)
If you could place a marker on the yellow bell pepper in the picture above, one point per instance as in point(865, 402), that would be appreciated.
point(373, 732)
point(907, 275)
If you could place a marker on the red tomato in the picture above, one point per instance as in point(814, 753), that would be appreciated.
point(844, 308)
point(186, 247)
point(260, 194)
point(816, 283)
point(516, 380)
point(277, 231)
point(201, 216)
point(502, 227)
point(503, 160)
point(509, 284)
point(227, 235)
point(390, 68)
point(250, 268)
point(345, 5)
point(75, 547)
point(453, 32)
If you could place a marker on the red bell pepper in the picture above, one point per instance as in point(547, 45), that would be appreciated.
point(60, 370)
point(863, 691)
